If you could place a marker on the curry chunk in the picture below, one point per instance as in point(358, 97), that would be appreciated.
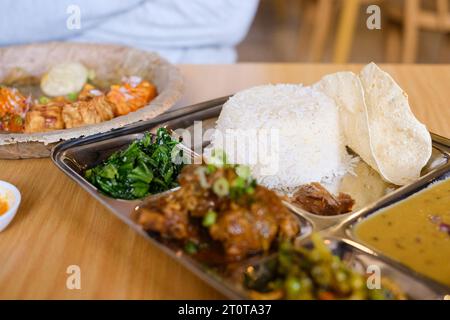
point(243, 217)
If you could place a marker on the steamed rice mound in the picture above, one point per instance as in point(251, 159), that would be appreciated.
point(308, 144)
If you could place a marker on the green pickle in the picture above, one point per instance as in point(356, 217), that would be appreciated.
point(311, 273)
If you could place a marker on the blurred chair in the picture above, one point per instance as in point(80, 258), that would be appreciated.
point(346, 29)
point(322, 20)
point(415, 16)
point(319, 14)
point(405, 19)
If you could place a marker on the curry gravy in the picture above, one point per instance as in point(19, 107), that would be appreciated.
point(3, 206)
point(415, 231)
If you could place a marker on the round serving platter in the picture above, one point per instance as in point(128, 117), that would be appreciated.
point(110, 63)
point(75, 156)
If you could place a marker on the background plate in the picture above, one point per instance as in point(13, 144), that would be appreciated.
point(110, 63)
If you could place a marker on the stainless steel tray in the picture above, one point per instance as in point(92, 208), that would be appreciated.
point(74, 156)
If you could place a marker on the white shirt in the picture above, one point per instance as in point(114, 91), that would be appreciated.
point(183, 31)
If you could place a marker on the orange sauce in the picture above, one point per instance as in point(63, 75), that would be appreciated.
point(3, 206)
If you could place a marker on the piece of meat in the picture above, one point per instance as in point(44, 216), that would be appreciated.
point(166, 216)
point(246, 225)
point(82, 113)
point(316, 199)
point(243, 232)
point(130, 96)
point(88, 112)
point(72, 116)
point(13, 106)
point(197, 199)
point(104, 109)
point(43, 118)
point(89, 92)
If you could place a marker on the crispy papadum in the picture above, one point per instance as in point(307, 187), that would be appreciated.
point(378, 123)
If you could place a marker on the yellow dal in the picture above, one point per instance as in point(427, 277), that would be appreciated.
point(413, 231)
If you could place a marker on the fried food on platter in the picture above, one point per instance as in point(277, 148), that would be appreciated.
point(43, 118)
point(88, 92)
point(81, 103)
point(83, 113)
point(132, 95)
point(13, 106)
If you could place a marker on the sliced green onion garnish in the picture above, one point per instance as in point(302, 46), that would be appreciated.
point(18, 120)
point(250, 190)
point(190, 247)
point(243, 171)
point(218, 157)
point(210, 168)
point(201, 174)
point(221, 187)
point(73, 96)
point(209, 219)
point(239, 183)
point(44, 100)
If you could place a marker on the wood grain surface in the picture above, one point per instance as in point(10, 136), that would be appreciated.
point(58, 224)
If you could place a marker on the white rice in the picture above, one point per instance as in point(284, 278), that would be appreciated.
point(310, 143)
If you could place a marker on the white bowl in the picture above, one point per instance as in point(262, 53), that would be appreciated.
point(11, 194)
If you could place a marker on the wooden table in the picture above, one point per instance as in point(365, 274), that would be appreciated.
point(59, 224)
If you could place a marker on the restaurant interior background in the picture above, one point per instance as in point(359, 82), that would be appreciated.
point(310, 31)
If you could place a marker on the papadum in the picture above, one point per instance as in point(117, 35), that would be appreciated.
point(378, 123)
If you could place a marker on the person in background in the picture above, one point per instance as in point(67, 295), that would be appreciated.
point(183, 31)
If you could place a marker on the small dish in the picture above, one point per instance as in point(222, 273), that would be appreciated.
point(11, 195)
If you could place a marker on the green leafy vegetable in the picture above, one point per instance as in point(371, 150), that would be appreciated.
point(144, 167)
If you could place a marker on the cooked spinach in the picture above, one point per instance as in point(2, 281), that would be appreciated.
point(144, 167)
